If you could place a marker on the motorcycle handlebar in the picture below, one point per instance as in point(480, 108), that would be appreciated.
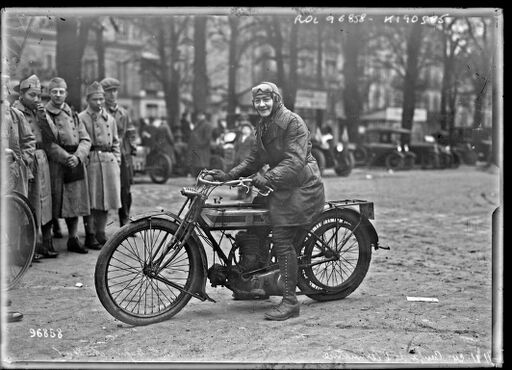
point(242, 181)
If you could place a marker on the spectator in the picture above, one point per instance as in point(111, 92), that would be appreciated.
point(68, 153)
point(103, 172)
point(244, 143)
point(199, 145)
point(126, 134)
point(185, 127)
point(39, 191)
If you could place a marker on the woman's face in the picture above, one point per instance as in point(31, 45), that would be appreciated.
point(263, 105)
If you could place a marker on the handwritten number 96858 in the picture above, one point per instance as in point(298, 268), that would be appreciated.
point(45, 333)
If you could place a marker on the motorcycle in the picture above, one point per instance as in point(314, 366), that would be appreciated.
point(336, 156)
point(150, 268)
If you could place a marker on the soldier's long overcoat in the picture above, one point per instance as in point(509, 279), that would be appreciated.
point(282, 142)
point(71, 199)
point(18, 137)
point(40, 189)
point(126, 135)
point(103, 170)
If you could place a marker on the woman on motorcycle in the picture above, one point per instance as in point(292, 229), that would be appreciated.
point(282, 142)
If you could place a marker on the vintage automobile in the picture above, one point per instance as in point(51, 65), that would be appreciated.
point(381, 146)
point(330, 155)
point(434, 154)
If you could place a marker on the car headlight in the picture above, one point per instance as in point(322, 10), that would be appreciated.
point(339, 147)
point(406, 147)
point(399, 148)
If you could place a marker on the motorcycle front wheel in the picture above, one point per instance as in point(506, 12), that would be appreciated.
point(335, 256)
point(124, 278)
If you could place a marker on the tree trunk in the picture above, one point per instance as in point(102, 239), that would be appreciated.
point(319, 75)
point(200, 84)
point(291, 91)
point(278, 50)
point(351, 93)
point(100, 51)
point(72, 36)
point(411, 77)
point(232, 69)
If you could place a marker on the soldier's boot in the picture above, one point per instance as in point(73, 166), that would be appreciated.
point(57, 232)
point(289, 306)
point(100, 223)
point(90, 233)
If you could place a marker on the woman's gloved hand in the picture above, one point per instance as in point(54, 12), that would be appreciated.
point(219, 175)
point(259, 181)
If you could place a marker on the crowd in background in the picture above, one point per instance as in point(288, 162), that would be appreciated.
point(79, 165)
point(69, 165)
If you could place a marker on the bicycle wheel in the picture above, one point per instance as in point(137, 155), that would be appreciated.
point(123, 271)
point(336, 256)
point(20, 238)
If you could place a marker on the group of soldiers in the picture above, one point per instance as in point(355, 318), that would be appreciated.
point(70, 165)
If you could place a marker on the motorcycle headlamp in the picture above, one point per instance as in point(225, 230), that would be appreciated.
point(339, 147)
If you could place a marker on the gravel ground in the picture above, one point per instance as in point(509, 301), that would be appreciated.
point(437, 224)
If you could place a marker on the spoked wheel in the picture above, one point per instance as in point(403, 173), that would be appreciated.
point(125, 276)
point(160, 168)
point(19, 236)
point(335, 258)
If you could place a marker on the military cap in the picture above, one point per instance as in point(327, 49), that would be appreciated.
point(57, 82)
point(110, 83)
point(94, 88)
point(31, 82)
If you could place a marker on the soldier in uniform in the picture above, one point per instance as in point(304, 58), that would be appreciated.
point(39, 192)
point(282, 142)
point(126, 134)
point(18, 145)
point(103, 170)
point(68, 153)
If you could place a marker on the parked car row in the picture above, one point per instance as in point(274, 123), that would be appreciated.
point(383, 147)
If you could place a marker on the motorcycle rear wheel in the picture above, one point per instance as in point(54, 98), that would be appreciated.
point(332, 280)
point(123, 285)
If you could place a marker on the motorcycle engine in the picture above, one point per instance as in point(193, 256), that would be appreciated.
point(218, 275)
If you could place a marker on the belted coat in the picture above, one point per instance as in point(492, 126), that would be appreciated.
point(17, 136)
point(282, 142)
point(68, 199)
point(40, 189)
point(103, 169)
point(126, 135)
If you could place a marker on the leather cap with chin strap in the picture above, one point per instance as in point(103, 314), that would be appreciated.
point(94, 88)
point(266, 88)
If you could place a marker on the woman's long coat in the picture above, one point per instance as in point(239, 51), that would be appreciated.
point(40, 189)
point(282, 142)
point(71, 199)
point(103, 169)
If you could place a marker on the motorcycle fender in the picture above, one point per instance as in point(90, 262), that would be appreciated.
point(163, 214)
point(367, 226)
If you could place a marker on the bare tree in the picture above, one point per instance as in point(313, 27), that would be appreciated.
point(72, 36)
point(200, 84)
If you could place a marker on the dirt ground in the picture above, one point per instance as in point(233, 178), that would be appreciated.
point(437, 224)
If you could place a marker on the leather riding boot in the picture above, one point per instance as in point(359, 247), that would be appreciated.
point(289, 306)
